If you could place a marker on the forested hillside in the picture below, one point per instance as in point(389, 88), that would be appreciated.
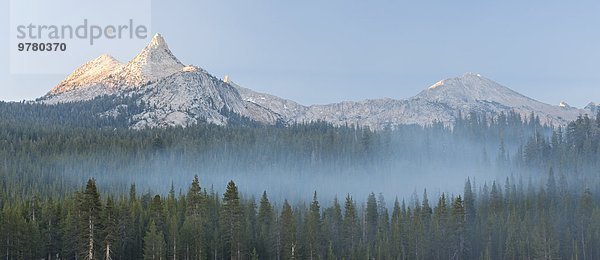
point(55, 156)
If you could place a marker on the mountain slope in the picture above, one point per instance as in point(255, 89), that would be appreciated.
point(287, 109)
point(473, 92)
point(191, 95)
point(87, 81)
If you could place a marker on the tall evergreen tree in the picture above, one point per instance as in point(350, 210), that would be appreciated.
point(90, 209)
point(351, 226)
point(109, 234)
point(371, 217)
point(313, 229)
point(154, 243)
point(266, 219)
point(231, 216)
point(288, 232)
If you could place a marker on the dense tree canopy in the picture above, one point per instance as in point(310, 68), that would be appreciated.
point(515, 222)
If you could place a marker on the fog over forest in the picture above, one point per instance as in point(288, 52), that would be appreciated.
point(287, 162)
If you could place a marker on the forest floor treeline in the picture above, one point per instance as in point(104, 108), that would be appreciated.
point(492, 221)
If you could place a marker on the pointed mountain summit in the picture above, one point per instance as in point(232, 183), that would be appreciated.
point(89, 74)
point(154, 62)
point(106, 76)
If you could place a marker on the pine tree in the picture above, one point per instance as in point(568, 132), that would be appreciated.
point(250, 227)
point(192, 229)
point(172, 225)
point(425, 221)
point(351, 227)
point(109, 234)
point(470, 216)
point(313, 229)
point(154, 243)
point(90, 209)
point(545, 245)
point(383, 230)
point(266, 222)
point(458, 249)
point(585, 214)
point(231, 217)
point(192, 242)
point(397, 232)
point(194, 198)
point(513, 239)
point(156, 212)
point(288, 232)
point(71, 234)
point(372, 217)
point(440, 229)
point(50, 229)
point(336, 221)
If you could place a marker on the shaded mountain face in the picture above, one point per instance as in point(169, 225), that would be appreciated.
point(593, 107)
point(179, 95)
point(191, 95)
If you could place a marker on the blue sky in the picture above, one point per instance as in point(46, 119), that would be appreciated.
point(318, 52)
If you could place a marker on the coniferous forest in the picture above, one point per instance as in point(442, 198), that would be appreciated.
point(84, 186)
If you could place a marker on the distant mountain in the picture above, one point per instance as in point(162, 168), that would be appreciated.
point(473, 92)
point(441, 102)
point(593, 107)
point(175, 94)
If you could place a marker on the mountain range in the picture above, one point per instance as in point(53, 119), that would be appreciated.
point(175, 94)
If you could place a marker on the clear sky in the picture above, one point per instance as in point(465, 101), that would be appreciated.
point(318, 52)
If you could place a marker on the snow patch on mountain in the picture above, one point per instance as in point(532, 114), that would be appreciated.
point(288, 110)
point(564, 104)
